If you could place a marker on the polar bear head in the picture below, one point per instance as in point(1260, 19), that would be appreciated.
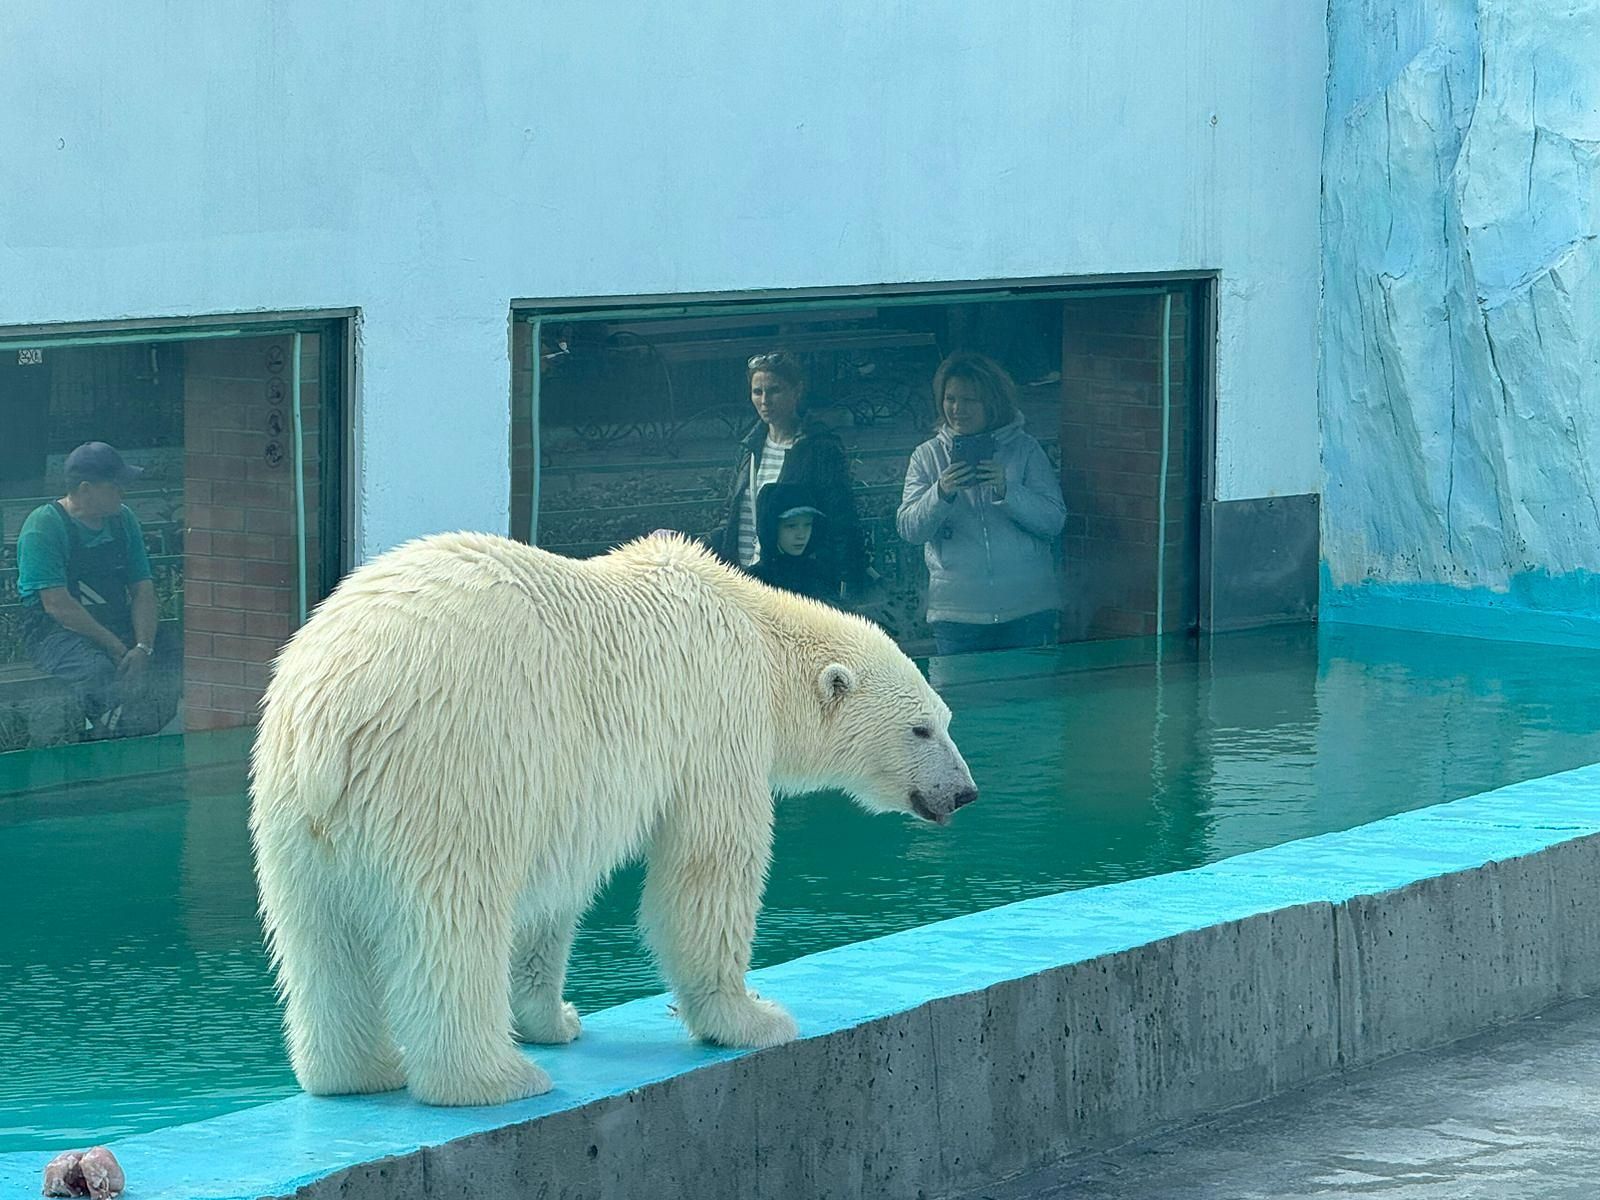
point(869, 725)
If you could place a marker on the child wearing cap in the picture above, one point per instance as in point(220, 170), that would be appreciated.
point(789, 530)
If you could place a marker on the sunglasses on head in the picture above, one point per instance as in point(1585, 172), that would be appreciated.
point(771, 358)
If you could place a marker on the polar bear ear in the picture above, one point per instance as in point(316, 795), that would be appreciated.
point(835, 682)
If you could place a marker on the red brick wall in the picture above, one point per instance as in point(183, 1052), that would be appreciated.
point(240, 550)
point(1111, 467)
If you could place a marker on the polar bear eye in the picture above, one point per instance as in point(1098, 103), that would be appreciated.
point(922, 731)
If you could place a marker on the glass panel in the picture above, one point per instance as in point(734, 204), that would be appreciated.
point(1077, 516)
point(1120, 504)
point(207, 512)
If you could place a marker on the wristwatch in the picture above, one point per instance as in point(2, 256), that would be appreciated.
point(149, 650)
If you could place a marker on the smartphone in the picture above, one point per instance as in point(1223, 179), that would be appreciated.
point(972, 449)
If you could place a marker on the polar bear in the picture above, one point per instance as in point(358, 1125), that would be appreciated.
point(470, 734)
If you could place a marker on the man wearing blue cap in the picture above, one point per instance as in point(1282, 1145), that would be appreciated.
point(89, 606)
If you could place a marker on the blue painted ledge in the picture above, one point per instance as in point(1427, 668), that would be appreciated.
point(277, 1147)
point(1557, 610)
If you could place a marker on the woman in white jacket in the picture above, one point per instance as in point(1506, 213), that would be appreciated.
point(988, 528)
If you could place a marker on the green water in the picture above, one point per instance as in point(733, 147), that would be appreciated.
point(134, 992)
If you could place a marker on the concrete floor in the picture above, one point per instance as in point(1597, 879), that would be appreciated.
point(1509, 1115)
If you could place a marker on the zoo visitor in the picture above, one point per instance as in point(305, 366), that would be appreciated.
point(788, 446)
point(88, 601)
point(983, 501)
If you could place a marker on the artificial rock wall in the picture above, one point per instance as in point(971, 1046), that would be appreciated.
point(1461, 310)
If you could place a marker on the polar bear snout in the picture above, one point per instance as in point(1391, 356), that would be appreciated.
point(938, 810)
point(939, 782)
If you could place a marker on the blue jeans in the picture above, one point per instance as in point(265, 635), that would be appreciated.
point(91, 673)
point(960, 637)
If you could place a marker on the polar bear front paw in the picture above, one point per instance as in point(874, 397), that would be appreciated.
point(744, 1020)
point(547, 1025)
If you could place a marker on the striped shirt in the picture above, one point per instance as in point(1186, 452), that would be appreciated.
point(763, 471)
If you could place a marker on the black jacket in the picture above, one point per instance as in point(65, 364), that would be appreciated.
point(806, 574)
point(816, 463)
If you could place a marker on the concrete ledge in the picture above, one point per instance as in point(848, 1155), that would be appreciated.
point(947, 1056)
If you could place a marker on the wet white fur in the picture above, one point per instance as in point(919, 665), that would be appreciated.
point(470, 734)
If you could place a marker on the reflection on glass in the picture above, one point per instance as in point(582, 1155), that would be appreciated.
point(792, 451)
point(984, 502)
point(150, 527)
point(1060, 418)
point(88, 600)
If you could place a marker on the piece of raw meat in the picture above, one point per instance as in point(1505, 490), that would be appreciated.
point(63, 1175)
point(102, 1173)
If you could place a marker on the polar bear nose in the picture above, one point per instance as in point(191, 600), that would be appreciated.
point(939, 812)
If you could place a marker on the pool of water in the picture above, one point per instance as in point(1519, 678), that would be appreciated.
point(134, 992)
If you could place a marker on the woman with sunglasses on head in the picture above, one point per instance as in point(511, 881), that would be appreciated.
point(788, 446)
point(983, 501)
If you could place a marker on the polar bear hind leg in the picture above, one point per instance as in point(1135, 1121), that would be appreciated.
point(339, 1040)
point(447, 954)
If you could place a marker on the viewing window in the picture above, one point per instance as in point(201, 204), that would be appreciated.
point(1070, 417)
point(223, 512)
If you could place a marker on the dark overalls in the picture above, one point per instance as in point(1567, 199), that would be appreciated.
point(97, 578)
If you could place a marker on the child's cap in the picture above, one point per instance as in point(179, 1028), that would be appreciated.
point(800, 510)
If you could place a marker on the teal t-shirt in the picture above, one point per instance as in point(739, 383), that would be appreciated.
point(43, 547)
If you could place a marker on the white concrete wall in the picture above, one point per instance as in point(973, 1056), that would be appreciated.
point(428, 165)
